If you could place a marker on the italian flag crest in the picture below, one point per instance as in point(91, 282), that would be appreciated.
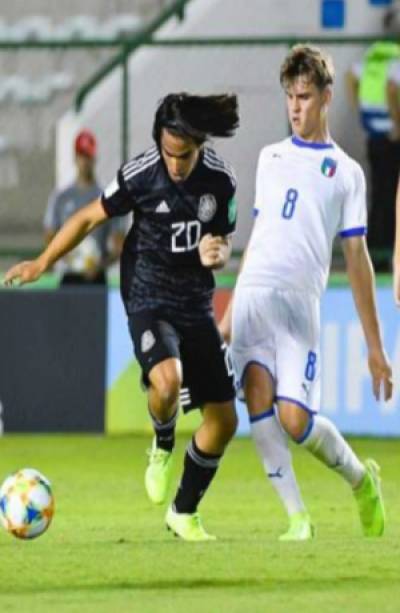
point(328, 167)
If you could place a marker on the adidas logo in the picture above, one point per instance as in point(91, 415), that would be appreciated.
point(163, 208)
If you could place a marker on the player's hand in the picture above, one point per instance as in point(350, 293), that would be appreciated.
point(24, 272)
point(212, 251)
point(381, 373)
point(224, 328)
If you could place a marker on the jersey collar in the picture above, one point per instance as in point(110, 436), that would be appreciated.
point(303, 143)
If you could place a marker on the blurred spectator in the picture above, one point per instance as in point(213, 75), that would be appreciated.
point(87, 263)
point(373, 86)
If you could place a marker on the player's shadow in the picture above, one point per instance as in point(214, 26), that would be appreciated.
point(264, 584)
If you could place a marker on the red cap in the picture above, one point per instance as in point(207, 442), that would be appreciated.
point(86, 144)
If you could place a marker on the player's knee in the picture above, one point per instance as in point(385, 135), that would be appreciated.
point(227, 426)
point(230, 425)
point(295, 424)
point(255, 399)
point(222, 427)
point(167, 391)
point(258, 390)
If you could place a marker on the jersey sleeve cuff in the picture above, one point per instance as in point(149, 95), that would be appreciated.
point(360, 231)
point(106, 208)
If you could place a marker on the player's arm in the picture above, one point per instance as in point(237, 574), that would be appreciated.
point(362, 281)
point(225, 325)
point(70, 234)
point(48, 236)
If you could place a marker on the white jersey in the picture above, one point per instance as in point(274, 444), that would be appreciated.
point(306, 194)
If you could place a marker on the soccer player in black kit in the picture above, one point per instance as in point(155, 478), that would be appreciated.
point(181, 194)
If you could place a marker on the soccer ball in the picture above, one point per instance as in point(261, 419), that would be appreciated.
point(85, 257)
point(26, 503)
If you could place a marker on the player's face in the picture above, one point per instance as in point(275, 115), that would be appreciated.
point(307, 106)
point(179, 154)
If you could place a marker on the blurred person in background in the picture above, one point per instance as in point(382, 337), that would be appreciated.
point(87, 263)
point(373, 87)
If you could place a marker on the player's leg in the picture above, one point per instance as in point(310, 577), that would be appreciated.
point(208, 383)
point(298, 398)
point(157, 350)
point(321, 438)
point(202, 459)
point(163, 395)
point(256, 315)
point(272, 445)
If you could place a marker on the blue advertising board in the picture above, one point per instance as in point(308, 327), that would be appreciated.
point(346, 384)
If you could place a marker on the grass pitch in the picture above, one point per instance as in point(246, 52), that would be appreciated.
point(108, 549)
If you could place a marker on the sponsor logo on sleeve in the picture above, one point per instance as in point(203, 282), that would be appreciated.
point(232, 210)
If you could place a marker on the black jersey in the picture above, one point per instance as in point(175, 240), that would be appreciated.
point(160, 264)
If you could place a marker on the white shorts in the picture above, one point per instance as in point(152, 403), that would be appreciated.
point(279, 330)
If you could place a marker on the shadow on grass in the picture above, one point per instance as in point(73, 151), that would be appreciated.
point(298, 585)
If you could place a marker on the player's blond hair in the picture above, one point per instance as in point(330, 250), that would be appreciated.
point(310, 62)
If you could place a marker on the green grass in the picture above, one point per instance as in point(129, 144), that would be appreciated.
point(108, 550)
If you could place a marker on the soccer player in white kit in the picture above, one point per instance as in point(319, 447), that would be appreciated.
point(308, 190)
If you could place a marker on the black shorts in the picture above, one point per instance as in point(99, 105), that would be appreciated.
point(206, 366)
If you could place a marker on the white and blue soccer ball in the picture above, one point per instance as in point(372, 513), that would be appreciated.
point(85, 257)
point(26, 503)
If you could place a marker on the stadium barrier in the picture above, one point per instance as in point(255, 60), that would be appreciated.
point(68, 365)
point(52, 353)
point(346, 384)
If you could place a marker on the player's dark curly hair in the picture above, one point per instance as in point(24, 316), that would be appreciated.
point(310, 62)
point(197, 117)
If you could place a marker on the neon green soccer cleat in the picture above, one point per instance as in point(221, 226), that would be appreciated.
point(300, 528)
point(187, 526)
point(158, 474)
point(370, 501)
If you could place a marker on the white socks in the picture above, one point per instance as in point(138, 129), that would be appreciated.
point(272, 445)
point(326, 443)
